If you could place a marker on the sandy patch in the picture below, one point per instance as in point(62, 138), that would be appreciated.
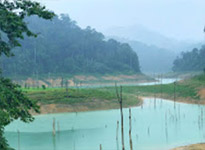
point(48, 82)
point(71, 83)
point(191, 147)
point(114, 78)
point(85, 78)
point(201, 93)
point(93, 105)
point(81, 78)
point(60, 108)
point(132, 77)
point(91, 78)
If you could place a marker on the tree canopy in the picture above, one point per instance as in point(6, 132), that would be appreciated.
point(13, 104)
point(190, 61)
point(62, 47)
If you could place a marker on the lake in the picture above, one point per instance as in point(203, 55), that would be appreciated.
point(155, 126)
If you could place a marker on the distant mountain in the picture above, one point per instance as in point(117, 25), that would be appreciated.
point(151, 58)
point(149, 37)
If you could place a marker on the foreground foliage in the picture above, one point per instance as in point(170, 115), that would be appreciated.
point(13, 104)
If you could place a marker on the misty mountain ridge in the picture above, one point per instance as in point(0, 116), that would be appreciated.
point(151, 38)
point(152, 58)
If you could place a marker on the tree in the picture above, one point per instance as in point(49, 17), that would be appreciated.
point(64, 48)
point(13, 104)
point(190, 61)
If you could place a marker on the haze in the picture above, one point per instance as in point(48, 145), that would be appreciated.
point(179, 19)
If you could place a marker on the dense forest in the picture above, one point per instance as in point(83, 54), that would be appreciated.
point(190, 61)
point(62, 47)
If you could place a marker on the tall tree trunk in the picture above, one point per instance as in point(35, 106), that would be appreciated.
point(117, 130)
point(120, 100)
point(174, 95)
point(54, 126)
point(130, 130)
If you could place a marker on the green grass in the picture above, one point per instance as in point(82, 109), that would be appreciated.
point(105, 98)
point(78, 97)
point(186, 89)
point(59, 95)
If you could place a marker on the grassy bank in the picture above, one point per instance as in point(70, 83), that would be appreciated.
point(182, 75)
point(54, 100)
point(189, 90)
point(59, 100)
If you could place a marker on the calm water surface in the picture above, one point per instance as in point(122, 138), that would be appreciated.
point(156, 126)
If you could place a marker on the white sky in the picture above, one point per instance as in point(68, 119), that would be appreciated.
point(180, 19)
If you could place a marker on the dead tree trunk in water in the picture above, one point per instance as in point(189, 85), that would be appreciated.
point(117, 130)
point(130, 130)
point(174, 95)
point(62, 82)
point(119, 97)
point(54, 126)
point(66, 86)
point(155, 95)
point(18, 139)
point(58, 127)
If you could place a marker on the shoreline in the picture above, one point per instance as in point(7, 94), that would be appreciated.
point(66, 108)
point(182, 99)
point(103, 104)
point(85, 80)
point(199, 146)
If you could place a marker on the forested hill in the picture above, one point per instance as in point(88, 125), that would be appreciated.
point(62, 47)
point(190, 61)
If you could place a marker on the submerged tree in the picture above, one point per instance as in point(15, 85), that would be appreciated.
point(13, 104)
point(120, 100)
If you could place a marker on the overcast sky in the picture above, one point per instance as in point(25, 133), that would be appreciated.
point(181, 19)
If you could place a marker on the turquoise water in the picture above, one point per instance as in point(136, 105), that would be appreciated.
point(155, 126)
point(158, 81)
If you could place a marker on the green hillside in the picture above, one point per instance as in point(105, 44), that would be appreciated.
point(190, 61)
point(62, 47)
